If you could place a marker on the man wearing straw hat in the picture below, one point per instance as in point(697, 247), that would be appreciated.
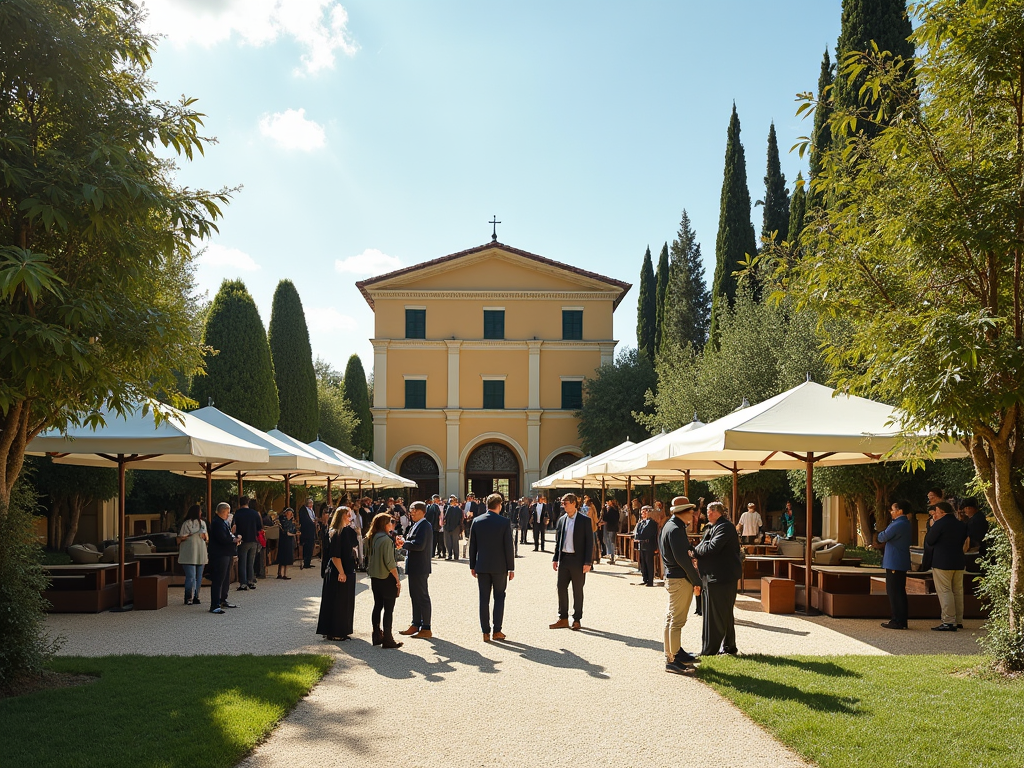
point(681, 582)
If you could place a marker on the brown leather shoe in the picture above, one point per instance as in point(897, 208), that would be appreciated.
point(576, 626)
point(424, 634)
point(560, 624)
point(498, 636)
point(487, 638)
point(409, 631)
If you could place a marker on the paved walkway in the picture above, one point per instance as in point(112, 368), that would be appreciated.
point(425, 704)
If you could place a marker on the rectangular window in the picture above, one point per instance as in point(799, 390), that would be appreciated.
point(494, 323)
point(415, 393)
point(572, 324)
point(494, 394)
point(415, 323)
point(572, 395)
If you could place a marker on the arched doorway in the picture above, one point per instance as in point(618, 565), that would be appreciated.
point(423, 470)
point(561, 461)
point(493, 468)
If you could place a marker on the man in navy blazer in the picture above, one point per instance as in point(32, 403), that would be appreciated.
point(896, 561)
point(944, 555)
point(419, 546)
point(720, 564)
point(492, 562)
point(574, 557)
point(223, 546)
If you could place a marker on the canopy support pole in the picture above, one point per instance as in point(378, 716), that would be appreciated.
point(652, 492)
point(686, 483)
point(808, 556)
point(121, 461)
point(629, 502)
point(602, 495)
point(330, 501)
point(735, 493)
point(287, 490)
point(209, 493)
point(238, 477)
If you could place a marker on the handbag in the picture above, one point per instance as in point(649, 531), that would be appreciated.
point(261, 537)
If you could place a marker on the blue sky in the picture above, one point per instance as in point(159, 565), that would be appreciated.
point(372, 135)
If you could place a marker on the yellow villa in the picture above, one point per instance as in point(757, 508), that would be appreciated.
point(479, 362)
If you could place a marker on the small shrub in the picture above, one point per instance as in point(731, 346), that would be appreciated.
point(1001, 640)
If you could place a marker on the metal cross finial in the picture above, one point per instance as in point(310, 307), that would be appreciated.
point(494, 232)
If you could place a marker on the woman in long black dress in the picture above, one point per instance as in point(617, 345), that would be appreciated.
point(286, 544)
point(338, 599)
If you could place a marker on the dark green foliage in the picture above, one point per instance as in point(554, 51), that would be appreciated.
point(70, 489)
point(776, 195)
point(337, 421)
point(171, 495)
point(357, 394)
point(611, 398)
point(1001, 639)
point(797, 209)
point(25, 647)
point(647, 307)
point(240, 376)
point(687, 306)
point(821, 139)
point(661, 277)
point(735, 232)
point(768, 489)
point(293, 364)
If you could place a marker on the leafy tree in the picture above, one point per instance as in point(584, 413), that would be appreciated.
point(95, 236)
point(758, 487)
point(821, 139)
point(337, 420)
point(71, 489)
point(687, 304)
point(293, 364)
point(921, 255)
point(661, 278)
point(610, 400)
point(735, 232)
point(358, 396)
point(646, 308)
point(240, 372)
point(797, 208)
point(170, 494)
point(776, 195)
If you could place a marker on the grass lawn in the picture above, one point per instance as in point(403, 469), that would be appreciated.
point(871, 711)
point(156, 712)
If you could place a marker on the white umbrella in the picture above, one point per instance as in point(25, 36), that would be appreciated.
point(179, 441)
point(561, 476)
point(340, 465)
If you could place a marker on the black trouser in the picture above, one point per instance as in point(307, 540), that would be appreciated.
point(569, 572)
point(523, 530)
point(385, 592)
point(420, 597)
point(538, 536)
point(647, 564)
point(896, 588)
point(488, 582)
point(308, 542)
point(719, 632)
point(220, 574)
point(439, 549)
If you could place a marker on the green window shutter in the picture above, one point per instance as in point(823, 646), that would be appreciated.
point(494, 324)
point(494, 394)
point(572, 395)
point(415, 323)
point(415, 393)
point(572, 324)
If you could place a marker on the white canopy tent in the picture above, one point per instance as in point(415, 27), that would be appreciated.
point(807, 425)
point(343, 467)
point(179, 441)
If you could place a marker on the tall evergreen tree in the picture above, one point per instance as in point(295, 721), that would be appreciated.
point(646, 307)
point(240, 376)
point(293, 364)
point(821, 139)
point(735, 232)
point(661, 281)
point(886, 24)
point(357, 393)
point(776, 195)
point(797, 208)
point(687, 301)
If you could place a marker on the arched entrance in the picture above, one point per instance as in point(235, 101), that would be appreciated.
point(493, 468)
point(423, 470)
point(561, 461)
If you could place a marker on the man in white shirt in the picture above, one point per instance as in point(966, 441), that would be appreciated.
point(574, 557)
point(749, 525)
point(539, 521)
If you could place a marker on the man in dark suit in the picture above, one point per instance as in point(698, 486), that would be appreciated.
point(453, 517)
point(720, 564)
point(646, 538)
point(223, 546)
point(418, 543)
point(524, 519)
point(434, 518)
point(944, 557)
point(539, 516)
point(492, 563)
point(307, 528)
point(574, 557)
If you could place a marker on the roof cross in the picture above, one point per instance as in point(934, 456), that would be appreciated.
point(494, 232)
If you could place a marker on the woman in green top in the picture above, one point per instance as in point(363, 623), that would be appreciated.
point(382, 569)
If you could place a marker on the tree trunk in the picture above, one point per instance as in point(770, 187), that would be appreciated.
point(865, 530)
point(75, 504)
point(53, 524)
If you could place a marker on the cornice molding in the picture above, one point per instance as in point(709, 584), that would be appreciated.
point(406, 294)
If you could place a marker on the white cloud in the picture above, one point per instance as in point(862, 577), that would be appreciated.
point(369, 262)
point(291, 130)
point(319, 26)
point(328, 320)
point(217, 255)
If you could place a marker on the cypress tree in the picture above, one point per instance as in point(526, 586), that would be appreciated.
point(646, 307)
point(821, 139)
point(357, 393)
point(240, 376)
point(735, 232)
point(293, 364)
point(661, 281)
point(797, 208)
point(776, 195)
point(884, 22)
point(687, 301)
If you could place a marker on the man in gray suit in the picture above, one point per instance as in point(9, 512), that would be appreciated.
point(452, 528)
point(418, 545)
point(492, 563)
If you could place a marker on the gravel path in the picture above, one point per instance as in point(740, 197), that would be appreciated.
point(421, 705)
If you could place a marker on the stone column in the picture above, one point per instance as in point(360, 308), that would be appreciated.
point(534, 401)
point(452, 470)
point(532, 449)
point(453, 372)
point(380, 373)
point(380, 435)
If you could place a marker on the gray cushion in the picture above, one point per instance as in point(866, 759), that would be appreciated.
point(82, 555)
point(831, 555)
